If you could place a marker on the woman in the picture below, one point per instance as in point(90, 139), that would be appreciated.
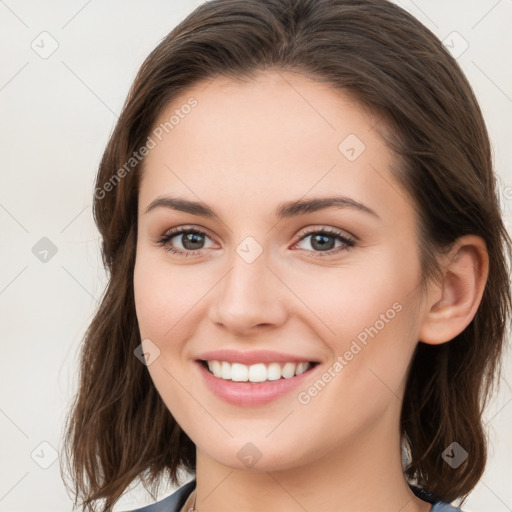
point(308, 288)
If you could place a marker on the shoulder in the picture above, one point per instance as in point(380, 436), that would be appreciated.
point(172, 503)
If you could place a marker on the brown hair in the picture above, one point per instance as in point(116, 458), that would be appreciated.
point(119, 428)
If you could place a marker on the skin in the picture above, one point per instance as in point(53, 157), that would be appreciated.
point(244, 149)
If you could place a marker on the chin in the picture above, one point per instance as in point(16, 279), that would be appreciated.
point(257, 456)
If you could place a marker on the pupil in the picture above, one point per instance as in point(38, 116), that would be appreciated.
point(323, 243)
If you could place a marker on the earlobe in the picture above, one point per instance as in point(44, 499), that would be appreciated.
point(453, 301)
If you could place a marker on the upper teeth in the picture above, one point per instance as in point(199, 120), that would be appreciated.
point(259, 372)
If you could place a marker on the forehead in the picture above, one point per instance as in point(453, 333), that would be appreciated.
point(264, 112)
point(274, 137)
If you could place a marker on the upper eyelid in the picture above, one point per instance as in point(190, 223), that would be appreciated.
point(330, 231)
point(184, 228)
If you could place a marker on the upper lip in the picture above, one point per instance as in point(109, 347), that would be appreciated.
point(252, 357)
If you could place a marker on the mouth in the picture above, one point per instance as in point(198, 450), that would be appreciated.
point(256, 377)
point(256, 373)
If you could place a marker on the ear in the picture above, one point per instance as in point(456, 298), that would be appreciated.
point(452, 302)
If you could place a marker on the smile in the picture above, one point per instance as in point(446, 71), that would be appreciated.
point(259, 372)
point(256, 383)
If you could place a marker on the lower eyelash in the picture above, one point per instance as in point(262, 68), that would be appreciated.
point(178, 251)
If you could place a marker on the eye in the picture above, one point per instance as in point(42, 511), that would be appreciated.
point(323, 241)
point(190, 241)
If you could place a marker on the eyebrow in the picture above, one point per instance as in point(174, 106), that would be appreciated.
point(284, 210)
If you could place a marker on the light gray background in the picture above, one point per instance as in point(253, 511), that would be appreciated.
point(57, 113)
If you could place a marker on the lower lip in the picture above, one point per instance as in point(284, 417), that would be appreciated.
point(246, 394)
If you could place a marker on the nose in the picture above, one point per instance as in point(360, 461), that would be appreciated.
point(249, 298)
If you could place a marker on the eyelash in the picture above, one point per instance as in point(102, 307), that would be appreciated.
point(348, 241)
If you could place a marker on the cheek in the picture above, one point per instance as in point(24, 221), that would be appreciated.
point(167, 297)
point(348, 301)
point(368, 318)
point(167, 308)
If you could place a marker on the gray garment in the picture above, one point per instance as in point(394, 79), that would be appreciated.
point(172, 503)
point(175, 501)
point(444, 507)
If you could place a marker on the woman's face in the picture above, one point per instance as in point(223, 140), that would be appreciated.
point(304, 250)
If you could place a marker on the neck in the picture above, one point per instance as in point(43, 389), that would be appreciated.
point(361, 475)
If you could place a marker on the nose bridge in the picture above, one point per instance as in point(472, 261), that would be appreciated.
point(247, 296)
